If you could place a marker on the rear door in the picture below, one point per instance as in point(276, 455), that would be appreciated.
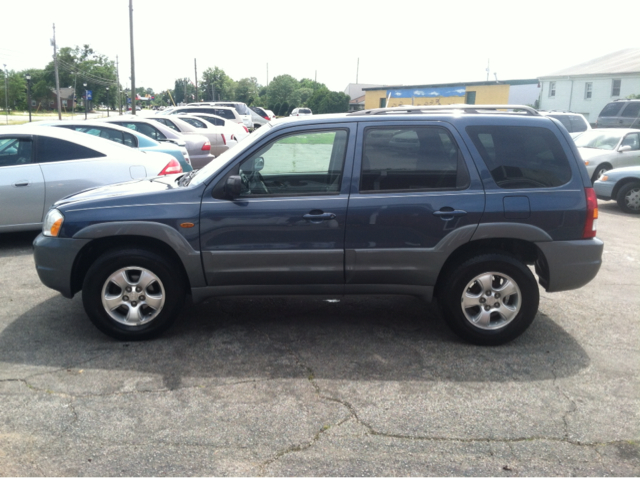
point(417, 191)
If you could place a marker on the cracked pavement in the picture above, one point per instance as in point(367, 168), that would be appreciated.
point(303, 386)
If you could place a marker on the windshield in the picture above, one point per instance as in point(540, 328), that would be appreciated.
point(214, 166)
point(598, 139)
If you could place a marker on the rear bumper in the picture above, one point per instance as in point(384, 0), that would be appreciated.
point(567, 265)
point(54, 258)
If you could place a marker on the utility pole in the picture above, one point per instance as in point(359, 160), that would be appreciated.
point(133, 68)
point(55, 62)
point(357, 70)
point(118, 85)
point(6, 97)
point(195, 68)
point(487, 69)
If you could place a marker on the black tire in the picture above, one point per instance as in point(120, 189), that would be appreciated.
point(629, 198)
point(123, 314)
point(599, 171)
point(511, 310)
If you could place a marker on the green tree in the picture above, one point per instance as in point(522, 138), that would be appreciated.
point(216, 85)
point(184, 91)
point(301, 96)
point(334, 102)
point(281, 88)
point(247, 90)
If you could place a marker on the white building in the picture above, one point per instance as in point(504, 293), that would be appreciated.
point(588, 87)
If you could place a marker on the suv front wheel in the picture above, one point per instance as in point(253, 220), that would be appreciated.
point(132, 294)
point(489, 299)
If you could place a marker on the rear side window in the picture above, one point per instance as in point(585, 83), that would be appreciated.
point(54, 149)
point(612, 109)
point(194, 122)
point(214, 121)
point(631, 111)
point(167, 123)
point(411, 158)
point(146, 130)
point(15, 151)
point(521, 157)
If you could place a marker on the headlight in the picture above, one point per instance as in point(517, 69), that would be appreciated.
point(52, 223)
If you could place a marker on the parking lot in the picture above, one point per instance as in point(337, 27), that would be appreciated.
point(351, 386)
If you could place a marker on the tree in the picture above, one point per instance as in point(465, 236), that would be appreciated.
point(184, 91)
point(216, 85)
point(334, 102)
point(247, 90)
point(281, 88)
point(301, 96)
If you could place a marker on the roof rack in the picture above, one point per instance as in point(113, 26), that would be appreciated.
point(474, 109)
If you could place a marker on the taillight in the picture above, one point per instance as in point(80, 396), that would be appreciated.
point(172, 167)
point(224, 140)
point(266, 117)
point(206, 146)
point(592, 214)
point(245, 128)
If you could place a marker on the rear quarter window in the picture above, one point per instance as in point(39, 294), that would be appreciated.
point(521, 157)
point(54, 149)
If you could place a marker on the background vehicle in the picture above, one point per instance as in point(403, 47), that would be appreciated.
point(192, 126)
point(125, 136)
point(620, 114)
point(301, 112)
point(257, 120)
point(39, 165)
point(443, 201)
point(242, 109)
point(575, 123)
point(605, 149)
point(621, 185)
point(227, 127)
point(197, 146)
point(271, 114)
point(222, 111)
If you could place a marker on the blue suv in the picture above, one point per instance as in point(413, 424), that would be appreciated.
point(453, 202)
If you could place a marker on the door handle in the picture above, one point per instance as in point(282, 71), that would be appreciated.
point(325, 216)
point(24, 182)
point(448, 215)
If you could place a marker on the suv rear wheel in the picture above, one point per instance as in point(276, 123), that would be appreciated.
point(132, 294)
point(489, 299)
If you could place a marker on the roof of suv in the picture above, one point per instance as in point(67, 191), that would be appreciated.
point(459, 108)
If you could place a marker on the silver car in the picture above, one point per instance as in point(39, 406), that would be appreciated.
point(605, 149)
point(621, 185)
point(40, 165)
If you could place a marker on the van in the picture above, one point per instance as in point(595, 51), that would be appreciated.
point(620, 114)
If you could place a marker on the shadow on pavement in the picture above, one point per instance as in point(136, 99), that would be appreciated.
point(358, 338)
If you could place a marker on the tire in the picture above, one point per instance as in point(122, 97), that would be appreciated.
point(111, 306)
point(629, 198)
point(494, 318)
point(599, 172)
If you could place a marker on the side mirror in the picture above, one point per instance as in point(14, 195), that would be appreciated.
point(233, 187)
point(624, 148)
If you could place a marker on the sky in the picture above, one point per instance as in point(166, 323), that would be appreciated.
point(409, 42)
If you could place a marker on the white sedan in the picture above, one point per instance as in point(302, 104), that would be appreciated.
point(608, 148)
point(40, 165)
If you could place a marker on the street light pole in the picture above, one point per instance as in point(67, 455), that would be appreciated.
point(107, 101)
point(28, 77)
point(85, 101)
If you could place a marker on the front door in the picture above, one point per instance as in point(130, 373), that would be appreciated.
point(286, 229)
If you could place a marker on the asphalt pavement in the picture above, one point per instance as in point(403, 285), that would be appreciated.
point(307, 386)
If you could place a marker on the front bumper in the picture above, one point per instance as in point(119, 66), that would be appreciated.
point(569, 265)
point(604, 189)
point(54, 258)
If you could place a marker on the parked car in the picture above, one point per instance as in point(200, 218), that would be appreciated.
point(198, 146)
point(263, 113)
point(257, 120)
point(575, 123)
point(301, 112)
point(242, 109)
point(218, 143)
point(228, 127)
point(222, 111)
point(621, 185)
point(271, 114)
point(40, 165)
point(620, 114)
point(605, 149)
point(413, 200)
point(125, 136)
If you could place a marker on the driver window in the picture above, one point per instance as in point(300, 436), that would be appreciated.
point(303, 163)
point(631, 140)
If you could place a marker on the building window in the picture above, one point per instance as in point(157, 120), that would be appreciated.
point(615, 87)
point(470, 98)
point(552, 89)
point(588, 90)
point(383, 102)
